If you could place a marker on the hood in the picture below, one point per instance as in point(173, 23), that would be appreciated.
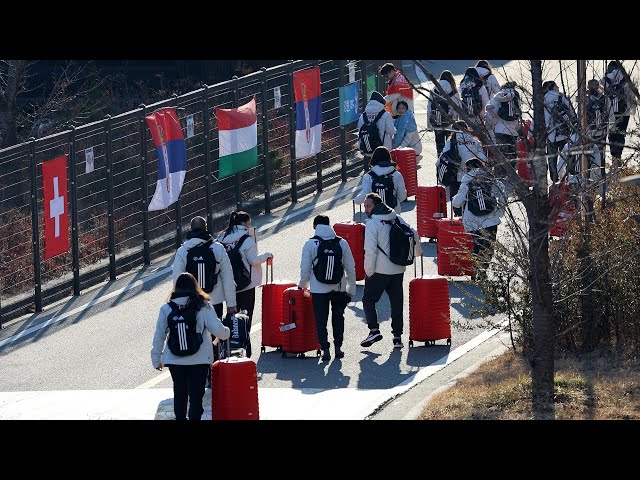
point(551, 96)
point(381, 169)
point(467, 177)
point(446, 86)
point(482, 71)
point(234, 236)
point(615, 76)
point(202, 234)
point(325, 231)
point(507, 94)
point(192, 242)
point(383, 212)
point(373, 107)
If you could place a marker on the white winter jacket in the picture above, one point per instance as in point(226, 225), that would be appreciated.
point(550, 98)
point(248, 251)
point(206, 321)
point(446, 86)
point(593, 156)
point(385, 125)
point(616, 76)
point(377, 233)
point(505, 127)
point(469, 220)
point(398, 184)
point(309, 252)
point(225, 288)
point(468, 147)
point(490, 81)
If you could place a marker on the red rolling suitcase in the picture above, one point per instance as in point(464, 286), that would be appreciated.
point(429, 308)
point(353, 233)
point(562, 207)
point(454, 247)
point(431, 204)
point(299, 334)
point(405, 157)
point(234, 389)
point(272, 310)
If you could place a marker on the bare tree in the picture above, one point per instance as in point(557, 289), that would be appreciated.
point(12, 83)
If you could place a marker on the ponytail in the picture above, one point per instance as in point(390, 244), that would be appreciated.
point(235, 219)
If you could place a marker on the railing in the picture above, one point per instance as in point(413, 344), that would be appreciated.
point(111, 230)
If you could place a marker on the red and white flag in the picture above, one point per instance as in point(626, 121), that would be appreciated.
point(56, 211)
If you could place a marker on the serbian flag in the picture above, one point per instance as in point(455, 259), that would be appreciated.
point(306, 86)
point(172, 156)
point(238, 138)
point(56, 212)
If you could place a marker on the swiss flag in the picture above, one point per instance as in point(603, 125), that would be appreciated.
point(56, 211)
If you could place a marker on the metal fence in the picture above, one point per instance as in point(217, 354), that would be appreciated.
point(111, 230)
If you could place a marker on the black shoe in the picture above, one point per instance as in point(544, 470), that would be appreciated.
point(373, 337)
point(326, 355)
point(397, 342)
point(339, 353)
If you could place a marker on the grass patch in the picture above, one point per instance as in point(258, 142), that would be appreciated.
point(598, 386)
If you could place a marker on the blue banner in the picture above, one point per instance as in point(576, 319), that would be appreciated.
point(349, 111)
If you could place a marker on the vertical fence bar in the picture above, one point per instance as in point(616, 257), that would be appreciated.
point(238, 175)
point(319, 155)
point(144, 186)
point(363, 89)
point(292, 135)
point(343, 128)
point(75, 255)
point(265, 144)
point(174, 103)
point(380, 80)
point(207, 154)
point(35, 230)
point(110, 206)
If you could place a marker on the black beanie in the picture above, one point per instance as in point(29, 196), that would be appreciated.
point(377, 97)
point(381, 156)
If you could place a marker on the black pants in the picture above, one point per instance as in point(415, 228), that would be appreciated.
point(507, 146)
point(483, 243)
point(321, 301)
point(188, 387)
point(553, 149)
point(246, 301)
point(441, 139)
point(373, 288)
point(617, 136)
point(453, 190)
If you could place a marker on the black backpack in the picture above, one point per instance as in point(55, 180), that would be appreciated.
point(327, 265)
point(240, 338)
point(383, 186)
point(241, 275)
point(480, 200)
point(510, 110)
point(471, 99)
point(183, 338)
point(401, 243)
point(596, 114)
point(617, 96)
point(439, 110)
point(202, 264)
point(449, 164)
point(369, 135)
point(564, 118)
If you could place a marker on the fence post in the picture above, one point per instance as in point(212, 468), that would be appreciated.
point(238, 175)
point(363, 89)
point(207, 154)
point(343, 129)
point(319, 155)
point(75, 256)
point(265, 144)
point(174, 103)
point(379, 79)
point(110, 207)
point(144, 185)
point(292, 134)
point(35, 230)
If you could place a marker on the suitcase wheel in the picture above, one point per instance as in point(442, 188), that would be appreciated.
point(432, 240)
point(410, 343)
point(279, 348)
point(300, 355)
point(318, 353)
point(263, 349)
point(284, 354)
point(448, 341)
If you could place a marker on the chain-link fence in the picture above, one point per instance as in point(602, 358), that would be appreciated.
point(110, 229)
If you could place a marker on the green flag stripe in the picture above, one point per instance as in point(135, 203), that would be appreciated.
point(236, 162)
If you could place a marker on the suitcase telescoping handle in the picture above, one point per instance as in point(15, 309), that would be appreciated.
point(228, 340)
point(353, 203)
point(415, 272)
point(269, 264)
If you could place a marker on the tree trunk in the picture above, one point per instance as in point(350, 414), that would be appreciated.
point(13, 81)
point(538, 209)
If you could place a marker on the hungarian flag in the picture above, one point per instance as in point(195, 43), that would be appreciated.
point(237, 138)
point(306, 87)
point(172, 157)
point(56, 212)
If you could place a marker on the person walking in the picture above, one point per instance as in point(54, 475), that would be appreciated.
point(384, 179)
point(398, 87)
point(374, 113)
point(382, 274)
point(442, 115)
point(489, 80)
point(504, 115)
point(407, 134)
point(241, 235)
point(484, 200)
point(209, 263)
point(178, 344)
point(560, 119)
point(328, 267)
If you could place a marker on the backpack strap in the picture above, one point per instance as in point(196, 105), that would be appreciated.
point(241, 241)
point(387, 222)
